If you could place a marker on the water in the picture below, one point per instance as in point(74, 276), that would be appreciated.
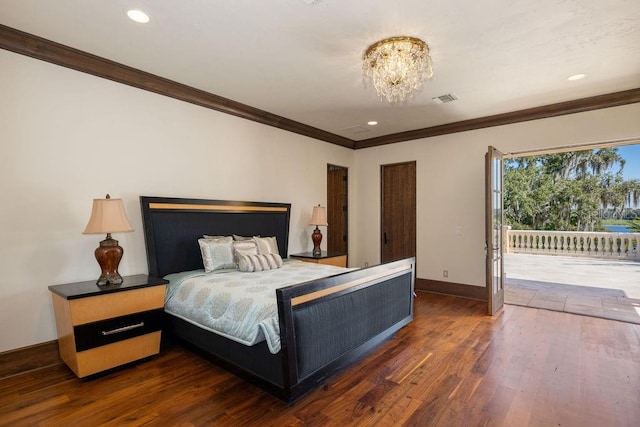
point(618, 228)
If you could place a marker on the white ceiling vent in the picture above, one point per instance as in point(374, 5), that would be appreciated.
point(354, 130)
point(443, 99)
point(310, 1)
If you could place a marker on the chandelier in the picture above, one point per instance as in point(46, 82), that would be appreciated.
point(396, 67)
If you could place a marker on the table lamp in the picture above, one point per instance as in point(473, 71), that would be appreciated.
point(319, 217)
point(108, 216)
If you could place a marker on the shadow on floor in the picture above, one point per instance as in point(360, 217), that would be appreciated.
point(584, 300)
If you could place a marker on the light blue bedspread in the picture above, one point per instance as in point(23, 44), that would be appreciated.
point(237, 305)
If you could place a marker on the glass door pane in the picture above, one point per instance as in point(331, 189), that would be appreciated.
point(494, 239)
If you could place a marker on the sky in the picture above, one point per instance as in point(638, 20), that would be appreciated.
point(631, 153)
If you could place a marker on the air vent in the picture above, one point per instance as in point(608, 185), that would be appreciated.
point(354, 130)
point(310, 1)
point(443, 99)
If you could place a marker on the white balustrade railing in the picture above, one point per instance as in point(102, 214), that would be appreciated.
point(574, 243)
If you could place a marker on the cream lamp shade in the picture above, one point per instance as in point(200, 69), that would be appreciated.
point(107, 216)
point(319, 216)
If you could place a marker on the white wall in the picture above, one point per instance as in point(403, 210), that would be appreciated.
point(450, 185)
point(68, 137)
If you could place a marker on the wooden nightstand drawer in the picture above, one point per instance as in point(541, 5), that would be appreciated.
point(108, 331)
point(337, 259)
point(106, 357)
point(95, 308)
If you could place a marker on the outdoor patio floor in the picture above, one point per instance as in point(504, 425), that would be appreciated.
point(606, 288)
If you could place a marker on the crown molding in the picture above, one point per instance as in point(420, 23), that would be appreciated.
point(39, 48)
point(65, 56)
point(552, 110)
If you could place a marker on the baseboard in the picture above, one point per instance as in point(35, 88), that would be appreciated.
point(450, 288)
point(21, 360)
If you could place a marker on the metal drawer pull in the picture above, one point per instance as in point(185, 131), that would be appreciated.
point(123, 329)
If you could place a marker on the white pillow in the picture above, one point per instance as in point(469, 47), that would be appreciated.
point(260, 262)
point(241, 238)
point(217, 254)
point(206, 236)
point(244, 247)
point(267, 245)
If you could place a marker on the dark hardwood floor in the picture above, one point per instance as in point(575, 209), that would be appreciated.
point(453, 366)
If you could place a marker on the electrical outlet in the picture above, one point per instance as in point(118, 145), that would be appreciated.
point(445, 273)
point(366, 264)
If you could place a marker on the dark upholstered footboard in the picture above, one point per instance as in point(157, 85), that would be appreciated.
point(331, 322)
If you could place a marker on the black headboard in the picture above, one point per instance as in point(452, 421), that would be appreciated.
point(172, 227)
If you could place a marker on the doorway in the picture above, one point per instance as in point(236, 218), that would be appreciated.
point(569, 266)
point(398, 211)
point(337, 209)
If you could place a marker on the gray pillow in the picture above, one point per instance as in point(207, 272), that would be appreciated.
point(240, 238)
point(217, 254)
point(260, 262)
point(244, 247)
point(267, 245)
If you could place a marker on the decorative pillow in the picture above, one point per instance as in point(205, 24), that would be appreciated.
point(206, 236)
point(240, 238)
point(244, 247)
point(267, 245)
point(217, 253)
point(260, 262)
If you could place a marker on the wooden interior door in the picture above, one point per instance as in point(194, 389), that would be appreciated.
point(398, 211)
point(337, 209)
point(493, 230)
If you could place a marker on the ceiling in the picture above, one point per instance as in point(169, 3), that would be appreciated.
point(303, 61)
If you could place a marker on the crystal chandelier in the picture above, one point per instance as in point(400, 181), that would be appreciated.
point(396, 67)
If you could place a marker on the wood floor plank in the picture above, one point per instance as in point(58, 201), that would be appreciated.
point(29, 358)
point(453, 365)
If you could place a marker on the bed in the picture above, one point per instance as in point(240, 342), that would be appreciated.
point(323, 324)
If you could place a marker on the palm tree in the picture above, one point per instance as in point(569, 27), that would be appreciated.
point(602, 160)
point(631, 190)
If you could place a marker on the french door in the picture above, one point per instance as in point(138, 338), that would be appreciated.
point(493, 230)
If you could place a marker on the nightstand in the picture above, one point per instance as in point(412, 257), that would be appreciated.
point(101, 327)
point(328, 258)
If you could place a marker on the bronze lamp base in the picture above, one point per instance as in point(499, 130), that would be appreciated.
point(108, 255)
point(317, 239)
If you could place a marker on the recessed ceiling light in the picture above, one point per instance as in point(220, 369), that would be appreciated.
point(372, 123)
point(576, 77)
point(138, 16)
